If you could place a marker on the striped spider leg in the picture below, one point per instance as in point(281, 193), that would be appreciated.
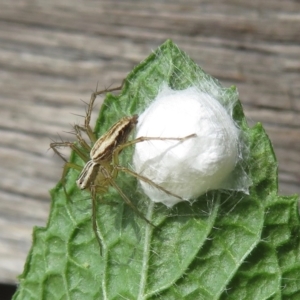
point(102, 159)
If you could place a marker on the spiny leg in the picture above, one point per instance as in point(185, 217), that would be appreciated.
point(81, 140)
point(146, 138)
point(79, 152)
point(147, 180)
point(125, 198)
point(56, 145)
point(94, 190)
point(94, 217)
point(117, 167)
point(68, 165)
point(87, 120)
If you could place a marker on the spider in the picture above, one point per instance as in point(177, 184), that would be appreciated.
point(102, 163)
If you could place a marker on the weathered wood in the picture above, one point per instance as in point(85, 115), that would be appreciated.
point(53, 53)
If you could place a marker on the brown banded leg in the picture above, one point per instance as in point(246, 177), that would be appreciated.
point(94, 191)
point(117, 167)
point(146, 138)
point(96, 230)
point(87, 120)
point(78, 151)
point(68, 165)
point(81, 140)
point(147, 180)
point(56, 145)
point(112, 182)
point(116, 153)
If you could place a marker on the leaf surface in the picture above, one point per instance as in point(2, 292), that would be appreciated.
point(224, 246)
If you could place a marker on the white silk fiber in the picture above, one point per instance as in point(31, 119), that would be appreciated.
point(196, 165)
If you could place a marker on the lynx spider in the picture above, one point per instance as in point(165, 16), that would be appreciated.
point(102, 164)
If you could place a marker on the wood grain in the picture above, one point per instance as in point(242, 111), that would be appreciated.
point(53, 53)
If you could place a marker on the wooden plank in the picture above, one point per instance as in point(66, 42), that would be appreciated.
point(53, 53)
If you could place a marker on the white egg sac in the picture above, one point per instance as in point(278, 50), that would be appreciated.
point(191, 167)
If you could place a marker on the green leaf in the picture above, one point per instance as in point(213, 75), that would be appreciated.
point(224, 246)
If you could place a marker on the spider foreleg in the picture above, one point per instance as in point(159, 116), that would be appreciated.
point(87, 120)
point(94, 218)
point(112, 182)
point(80, 153)
point(147, 180)
point(146, 138)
